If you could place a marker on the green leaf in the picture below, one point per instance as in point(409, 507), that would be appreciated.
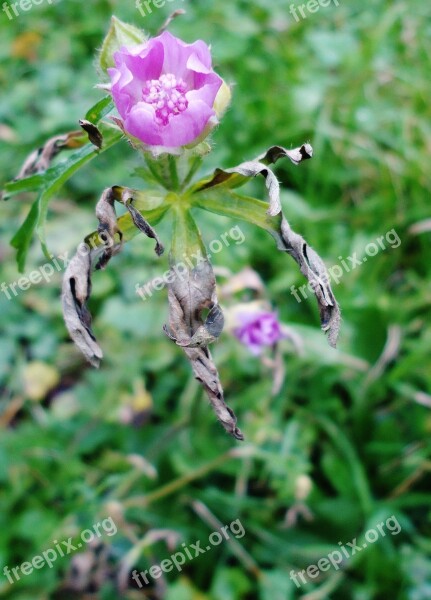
point(22, 238)
point(69, 167)
point(119, 34)
point(28, 184)
point(33, 182)
point(100, 110)
point(235, 177)
point(351, 458)
point(227, 203)
point(186, 237)
point(275, 585)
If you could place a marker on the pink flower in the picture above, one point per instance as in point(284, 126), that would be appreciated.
point(165, 90)
point(258, 329)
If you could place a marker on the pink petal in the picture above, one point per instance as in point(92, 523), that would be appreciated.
point(184, 128)
point(144, 61)
point(142, 124)
point(208, 92)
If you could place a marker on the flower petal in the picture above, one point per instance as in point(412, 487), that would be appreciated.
point(154, 117)
point(144, 61)
point(184, 128)
point(177, 54)
point(141, 123)
point(207, 88)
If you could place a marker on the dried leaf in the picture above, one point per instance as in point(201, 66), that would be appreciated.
point(143, 225)
point(93, 132)
point(77, 283)
point(296, 155)
point(313, 268)
point(229, 177)
point(191, 292)
point(206, 373)
point(206, 333)
point(253, 168)
point(40, 160)
point(76, 291)
point(108, 228)
point(226, 202)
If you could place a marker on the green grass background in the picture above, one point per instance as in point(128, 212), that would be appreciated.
point(347, 437)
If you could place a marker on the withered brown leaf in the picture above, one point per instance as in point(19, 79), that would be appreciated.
point(77, 278)
point(190, 293)
point(93, 133)
point(108, 228)
point(75, 293)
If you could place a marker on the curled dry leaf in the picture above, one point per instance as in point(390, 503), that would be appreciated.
point(189, 295)
point(139, 221)
point(77, 278)
point(75, 294)
point(40, 160)
point(313, 268)
point(108, 228)
point(93, 132)
point(296, 155)
point(253, 168)
point(232, 204)
point(259, 166)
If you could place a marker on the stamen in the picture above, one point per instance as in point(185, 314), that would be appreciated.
point(167, 95)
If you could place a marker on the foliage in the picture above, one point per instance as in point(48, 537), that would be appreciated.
point(347, 435)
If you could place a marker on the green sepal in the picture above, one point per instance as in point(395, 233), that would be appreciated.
point(119, 34)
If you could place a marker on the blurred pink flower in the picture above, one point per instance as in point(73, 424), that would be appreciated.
point(257, 330)
point(165, 90)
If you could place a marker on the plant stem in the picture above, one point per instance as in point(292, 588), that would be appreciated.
point(175, 182)
point(177, 484)
point(154, 172)
point(196, 163)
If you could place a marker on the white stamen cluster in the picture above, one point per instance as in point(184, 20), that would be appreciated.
point(167, 95)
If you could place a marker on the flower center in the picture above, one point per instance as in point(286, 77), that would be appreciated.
point(167, 95)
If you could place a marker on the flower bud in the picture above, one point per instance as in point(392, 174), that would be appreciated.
point(222, 100)
point(119, 34)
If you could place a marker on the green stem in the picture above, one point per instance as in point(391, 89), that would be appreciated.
point(328, 587)
point(154, 172)
point(197, 161)
point(175, 182)
point(177, 484)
